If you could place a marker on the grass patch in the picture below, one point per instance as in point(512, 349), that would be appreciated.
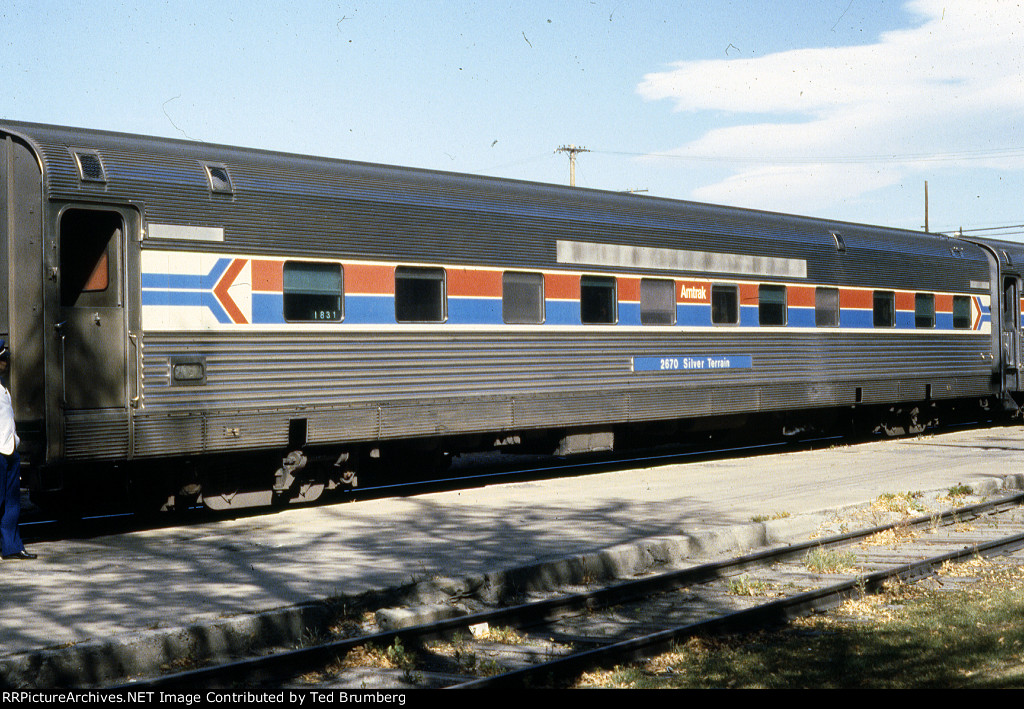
point(743, 586)
point(393, 657)
point(829, 561)
point(908, 637)
point(905, 503)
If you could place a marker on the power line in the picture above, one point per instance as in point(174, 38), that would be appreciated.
point(833, 159)
point(993, 228)
point(992, 232)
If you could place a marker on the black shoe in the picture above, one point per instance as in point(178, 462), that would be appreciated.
point(19, 555)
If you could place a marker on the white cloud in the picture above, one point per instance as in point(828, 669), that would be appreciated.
point(793, 188)
point(948, 92)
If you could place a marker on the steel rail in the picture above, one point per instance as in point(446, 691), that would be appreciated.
point(291, 661)
point(765, 615)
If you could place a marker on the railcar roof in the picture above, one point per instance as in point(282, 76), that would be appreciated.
point(142, 159)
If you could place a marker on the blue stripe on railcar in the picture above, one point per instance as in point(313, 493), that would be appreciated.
point(369, 309)
point(472, 311)
point(629, 313)
point(693, 315)
point(268, 308)
point(905, 319)
point(855, 317)
point(562, 312)
point(193, 298)
point(800, 316)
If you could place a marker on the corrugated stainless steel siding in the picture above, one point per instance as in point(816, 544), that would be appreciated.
point(354, 387)
point(95, 435)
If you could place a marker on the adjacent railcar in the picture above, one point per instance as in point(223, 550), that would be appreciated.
point(173, 305)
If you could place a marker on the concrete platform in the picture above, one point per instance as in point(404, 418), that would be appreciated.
point(94, 610)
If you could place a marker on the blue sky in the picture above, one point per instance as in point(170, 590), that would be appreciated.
point(835, 108)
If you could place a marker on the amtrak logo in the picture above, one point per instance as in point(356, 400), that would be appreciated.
point(224, 291)
point(693, 292)
point(234, 292)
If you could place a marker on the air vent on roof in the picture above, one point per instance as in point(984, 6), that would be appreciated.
point(218, 177)
point(840, 244)
point(90, 166)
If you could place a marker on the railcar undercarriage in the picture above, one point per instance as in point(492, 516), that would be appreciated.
point(235, 481)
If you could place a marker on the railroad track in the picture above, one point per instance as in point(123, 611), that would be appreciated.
point(550, 641)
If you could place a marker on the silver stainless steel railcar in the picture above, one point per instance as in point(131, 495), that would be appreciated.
point(172, 305)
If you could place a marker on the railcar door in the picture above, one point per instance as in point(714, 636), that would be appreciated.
point(1010, 330)
point(93, 330)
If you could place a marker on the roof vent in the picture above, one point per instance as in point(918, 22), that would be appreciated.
point(90, 166)
point(218, 178)
point(840, 244)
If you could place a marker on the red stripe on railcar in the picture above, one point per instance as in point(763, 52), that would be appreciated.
point(800, 296)
point(748, 294)
point(629, 289)
point(904, 301)
point(856, 298)
point(563, 286)
point(268, 276)
point(469, 282)
point(366, 279)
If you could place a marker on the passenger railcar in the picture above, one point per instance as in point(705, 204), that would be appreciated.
point(173, 305)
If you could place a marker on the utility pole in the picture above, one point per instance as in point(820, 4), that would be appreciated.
point(572, 150)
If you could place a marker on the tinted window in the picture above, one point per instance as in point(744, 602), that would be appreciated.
point(771, 305)
point(657, 302)
point(924, 310)
point(884, 309)
point(826, 307)
point(961, 312)
point(313, 291)
point(725, 305)
point(419, 294)
point(598, 300)
point(522, 297)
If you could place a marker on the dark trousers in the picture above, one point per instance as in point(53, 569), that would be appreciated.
point(10, 505)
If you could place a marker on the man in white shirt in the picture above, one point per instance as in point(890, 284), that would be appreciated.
point(11, 546)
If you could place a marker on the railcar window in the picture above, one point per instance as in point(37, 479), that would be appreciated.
point(826, 307)
point(598, 300)
point(522, 297)
point(725, 305)
point(313, 292)
point(1011, 303)
point(420, 294)
point(771, 305)
point(924, 310)
point(88, 241)
point(961, 312)
point(657, 301)
point(884, 309)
